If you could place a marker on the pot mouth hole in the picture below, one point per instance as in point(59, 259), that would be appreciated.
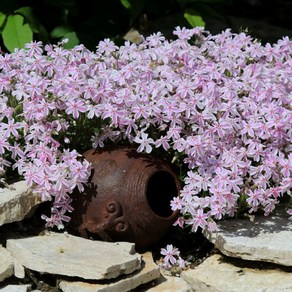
point(161, 189)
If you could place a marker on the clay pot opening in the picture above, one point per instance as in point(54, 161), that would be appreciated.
point(161, 189)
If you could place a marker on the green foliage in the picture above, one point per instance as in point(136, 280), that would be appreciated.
point(72, 40)
point(193, 11)
point(60, 31)
point(194, 19)
point(127, 4)
point(16, 33)
point(89, 21)
point(2, 18)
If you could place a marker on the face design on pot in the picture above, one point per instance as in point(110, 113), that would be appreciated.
point(111, 219)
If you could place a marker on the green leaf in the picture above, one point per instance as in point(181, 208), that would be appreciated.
point(2, 18)
point(27, 13)
point(33, 22)
point(16, 34)
point(60, 31)
point(73, 40)
point(126, 4)
point(194, 19)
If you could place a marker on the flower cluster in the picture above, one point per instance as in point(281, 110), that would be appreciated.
point(220, 105)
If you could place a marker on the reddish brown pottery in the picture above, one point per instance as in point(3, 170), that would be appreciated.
point(127, 199)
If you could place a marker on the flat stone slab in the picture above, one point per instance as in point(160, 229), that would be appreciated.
point(16, 288)
point(168, 283)
point(64, 254)
point(16, 202)
point(6, 264)
point(217, 275)
point(149, 272)
point(267, 239)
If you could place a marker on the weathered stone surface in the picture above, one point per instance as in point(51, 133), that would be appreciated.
point(16, 202)
point(134, 36)
point(167, 284)
point(267, 239)
point(64, 254)
point(149, 272)
point(216, 275)
point(19, 271)
point(16, 288)
point(6, 264)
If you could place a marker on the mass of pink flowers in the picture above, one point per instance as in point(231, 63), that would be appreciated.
point(219, 105)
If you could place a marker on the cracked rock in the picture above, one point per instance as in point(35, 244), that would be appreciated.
point(6, 264)
point(16, 202)
point(267, 239)
point(64, 254)
point(216, 274)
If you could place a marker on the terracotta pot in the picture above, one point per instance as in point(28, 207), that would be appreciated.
point(127, 199)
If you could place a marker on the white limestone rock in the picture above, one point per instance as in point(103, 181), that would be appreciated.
point(16, 288)
point(19, 271)
point(133, 36)
point(217, 275)
point(149, 272)
point(169, 283)
point(64, 254)
point(16, 202)
point(6, 264)
point(267, 239)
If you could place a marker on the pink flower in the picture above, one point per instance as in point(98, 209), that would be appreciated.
point(31, 175)
point(106, 46)
point(145, 143)
point(176, 204)
point(182, 263)
point(3, 144)
point(286, 165)
point(184, 33)
point(80, 170)
point(254, 197)
point(170, 253)
point(217, 211)
point(162, 141)
point(198, 220)
point(35, 48)
point(75, 107)
point(11, 128)
point(179, 222)
point(212, 226)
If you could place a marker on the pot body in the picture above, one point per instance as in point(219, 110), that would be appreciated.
point(127, 198)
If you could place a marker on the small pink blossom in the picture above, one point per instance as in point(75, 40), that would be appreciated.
point(145, 143)
point(176, 204)
point(198, 220)
point(170, 253)
point(75, 107)
point(179, 222)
